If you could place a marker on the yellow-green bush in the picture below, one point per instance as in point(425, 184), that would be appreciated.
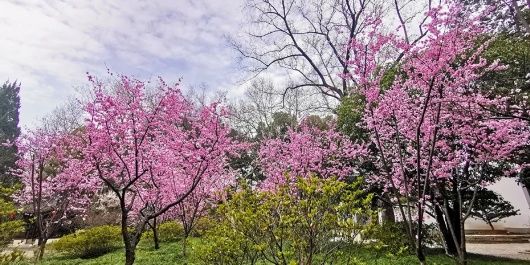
point(392, 237)
point(8, 230)
point(90, 243)
point(309, 222)
point(226, 246)
point(203, 224)
point(11, 257)
point(169, 231)
point(9, 225)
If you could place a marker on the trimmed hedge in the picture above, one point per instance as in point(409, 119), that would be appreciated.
point(89, 243)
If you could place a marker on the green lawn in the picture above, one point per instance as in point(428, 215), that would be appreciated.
point(170, 253)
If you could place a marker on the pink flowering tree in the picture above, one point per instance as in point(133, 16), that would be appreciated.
point(305, 151)
point(150, 152)
point(203, 198)
point(197, 204)
point(430, 127)
point(52, 193)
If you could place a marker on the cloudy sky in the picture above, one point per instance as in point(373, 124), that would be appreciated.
point(50, 45)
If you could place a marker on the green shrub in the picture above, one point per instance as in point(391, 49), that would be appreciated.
point(310, 222)
point(226, 246)
point(392, 237)
point(203, 224)
point(8, 230)
point(90, 243)
point(11, 257)
point(169, 231)
point(9, 225)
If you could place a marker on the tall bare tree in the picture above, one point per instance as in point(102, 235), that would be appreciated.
point(309, 38)
point(64, 118)
point(264, 103)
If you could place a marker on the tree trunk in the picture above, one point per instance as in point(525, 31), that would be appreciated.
point(130, 255)
point(130, 247)
point(419, 235)
point(41, 243)
point(40, 219)
point(454, 216)
point(462, 258)
point(491, 226)
point(419, 243)
point(129, 240)
point(449, 244)
point(184, 245)
point(455, 220)
point(41, 248)
point(388, 214)
point(154, 228)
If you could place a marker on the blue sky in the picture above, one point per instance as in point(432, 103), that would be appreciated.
point(50, 45)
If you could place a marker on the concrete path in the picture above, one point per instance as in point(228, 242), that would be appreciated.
point(28, 248)
point(519, 251)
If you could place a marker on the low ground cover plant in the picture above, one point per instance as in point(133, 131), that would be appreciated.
point(89, 243)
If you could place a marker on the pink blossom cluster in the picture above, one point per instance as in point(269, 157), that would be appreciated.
point(50, 184)
point(151, 152)
point(433, 112)
point(155, 154)
point(308, 150)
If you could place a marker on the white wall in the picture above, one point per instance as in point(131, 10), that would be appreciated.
point(518, 196)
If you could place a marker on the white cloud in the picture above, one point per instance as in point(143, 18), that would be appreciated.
point(49, 45)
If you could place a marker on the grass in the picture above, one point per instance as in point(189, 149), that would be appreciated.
point(171, 253)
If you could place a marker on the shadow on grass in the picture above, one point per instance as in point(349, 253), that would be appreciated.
point(479, 257)
point(475, 258)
